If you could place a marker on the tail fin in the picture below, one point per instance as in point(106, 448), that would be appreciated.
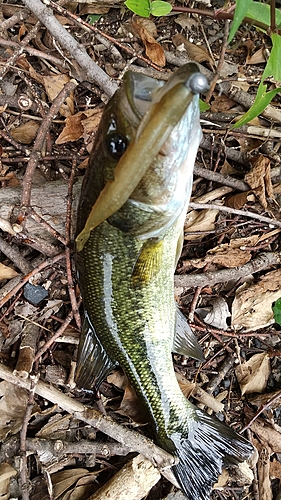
point(202, 453)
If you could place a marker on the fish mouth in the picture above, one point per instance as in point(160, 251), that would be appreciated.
point(158, 108)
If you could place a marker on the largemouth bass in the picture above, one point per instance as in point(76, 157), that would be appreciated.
point(129, 237)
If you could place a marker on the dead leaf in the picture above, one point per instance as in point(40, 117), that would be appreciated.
point(185, 21)
point(238, 201)
point(263, 467)
point(186, 387)
point(66, 480)
point(267, 436)
point(253, 375)
point(216, 315)
point(241, 85)
point(263, 399)
point(82, 124)
point(130, 404)
point(87, 8)
point(53, 85)
point(25, 64)
point(72, 130)
point(199, 221)
point(257, 57)
point(197, 53)
point(275, 469)
point(222, 480)
point(252, 305)
point(6, 472)
point(222, 103)
point(26, 132)
point(118, 378)
point(12, 408)
point(249, 46)
point(228, 255)
point(6, 272)
point(228, 69)
point(153, 49)
point(259, 178)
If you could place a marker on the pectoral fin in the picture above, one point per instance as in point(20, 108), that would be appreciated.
point(94, 364)
point(185, 342)
point(148, 263)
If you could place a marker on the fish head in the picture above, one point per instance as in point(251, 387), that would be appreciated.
point(140, 169)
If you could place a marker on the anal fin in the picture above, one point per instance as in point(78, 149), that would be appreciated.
point(185, 342)
point(93, 364)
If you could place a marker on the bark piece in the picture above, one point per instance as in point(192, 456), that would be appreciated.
point(133, 481)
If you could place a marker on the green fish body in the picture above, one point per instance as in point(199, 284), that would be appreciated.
point(126, 260)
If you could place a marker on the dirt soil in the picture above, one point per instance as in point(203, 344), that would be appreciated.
point(57, 72)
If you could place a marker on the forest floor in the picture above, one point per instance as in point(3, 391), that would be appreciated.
point(56, 74)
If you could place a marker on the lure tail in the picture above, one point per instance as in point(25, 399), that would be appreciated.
point(203, 452)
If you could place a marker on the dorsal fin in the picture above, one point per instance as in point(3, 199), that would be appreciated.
point(185, 342)
point(93, 364)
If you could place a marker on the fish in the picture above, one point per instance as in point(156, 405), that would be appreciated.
point(129, 237)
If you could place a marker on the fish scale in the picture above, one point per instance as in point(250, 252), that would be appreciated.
point(128, 244)
point(127, 309)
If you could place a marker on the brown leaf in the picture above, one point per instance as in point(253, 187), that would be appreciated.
point(130, 404)
point(6, 272)
point(263, 399)
point(53, 85)
point(82, 124)
point(26, 132)
point(231, 254)
point(259, 178)
point(72, 130)
point(87, 8)
point(263, 467)
point(197, 222)
point(253, 375)
point(186, 387)
point(153, 49)
point(13, 401)
point(6, 472)
point(257, 57)
point(275, 469)
point(266, 435)
point(221, 103)
point(249, 46)
point(66, 479)
point(238, 201)
point(222, 480)
point(252, 305)
point(197, 53)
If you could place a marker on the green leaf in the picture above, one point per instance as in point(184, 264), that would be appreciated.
point(139, 7)
point(203, 106)
point(261, 12)
point(93, 18)
point(159, 8)
point(277, 311)
point(262, 100)
point(242, 7)
point(273, 67)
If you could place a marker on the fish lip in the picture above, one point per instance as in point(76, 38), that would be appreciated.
point(139, 91)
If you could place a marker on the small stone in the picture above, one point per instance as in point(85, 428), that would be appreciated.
point(34, 294)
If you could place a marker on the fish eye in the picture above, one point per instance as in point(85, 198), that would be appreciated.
point(116, 145)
